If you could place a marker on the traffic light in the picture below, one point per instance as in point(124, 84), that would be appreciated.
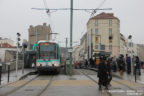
point(18, 44)
point(18, 39)
point(110, 39)
point(25, 43)
point(18, 34)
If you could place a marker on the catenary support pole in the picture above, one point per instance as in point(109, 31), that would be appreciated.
point(71, 30)
point(17, 60)
point(23, 61)
point(8, 73)
point(0, 72)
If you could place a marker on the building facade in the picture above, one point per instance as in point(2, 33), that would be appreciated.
point(6, 43)
point(3, 53)
point(123, 45)
point(100, 29)
point(140, 51)
point(40, 32)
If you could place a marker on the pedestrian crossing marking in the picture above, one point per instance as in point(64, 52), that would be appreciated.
point(129, 83)
point(73, 83)
point(18, 83)
point(38, 83)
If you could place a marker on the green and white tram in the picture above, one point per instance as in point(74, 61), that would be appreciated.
point(47, 56)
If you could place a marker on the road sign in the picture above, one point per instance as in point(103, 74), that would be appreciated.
point(70, 50)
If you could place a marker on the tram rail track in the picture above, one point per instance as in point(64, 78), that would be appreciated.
point(46, 87)
point(119, 82)
point(27, 83)
point(16, 89)
point(104, 92)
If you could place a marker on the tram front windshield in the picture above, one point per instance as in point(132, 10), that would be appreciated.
point(47, 51)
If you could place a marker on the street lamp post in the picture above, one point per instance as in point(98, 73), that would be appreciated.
point(88, 49)
point(91, 43)
point(25, 44)
point(0, 71)
point(17, 53)
point(130, 46)
point(8, 64)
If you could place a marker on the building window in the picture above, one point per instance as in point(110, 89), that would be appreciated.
point(96, 22)
point(96, 40)
point(110, 31)
point(110, 47)
point(110, 22)
point(96, 31)
point(103, 47)
point(96, 46)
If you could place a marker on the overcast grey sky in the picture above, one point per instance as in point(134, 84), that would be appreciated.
point(17, 15)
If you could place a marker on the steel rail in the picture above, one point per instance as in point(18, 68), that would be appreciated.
point(105, 91)
point(119, 83)
point(16, 89)
point(46, 87)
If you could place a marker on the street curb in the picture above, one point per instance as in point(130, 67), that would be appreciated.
point(112, 73)
point(24, 76)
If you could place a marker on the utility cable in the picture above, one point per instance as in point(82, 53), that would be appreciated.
point(49, 17)
point(92, 14)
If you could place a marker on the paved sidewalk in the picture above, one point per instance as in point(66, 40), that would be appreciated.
point(140, 79)
point(13, 77)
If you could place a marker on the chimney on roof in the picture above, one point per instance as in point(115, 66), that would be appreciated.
point(31, 26)
point(44, 24)
point(110, 14)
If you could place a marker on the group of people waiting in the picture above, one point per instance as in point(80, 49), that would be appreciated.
point(108, 64)
point(120, 63)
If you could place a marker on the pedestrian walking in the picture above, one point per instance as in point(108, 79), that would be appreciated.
point(121, 64)
point(103, 73)
point(137, 61)
point(90, 60)
point(128, 62)
point(114, 63)
point(109, 68)
point(86, 63)
point(34, 62)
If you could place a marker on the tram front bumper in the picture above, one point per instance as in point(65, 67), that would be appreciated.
point(48, 68)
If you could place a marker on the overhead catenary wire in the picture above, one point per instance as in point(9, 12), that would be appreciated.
point(93, 13)
point(95, 10)
point(49, 17)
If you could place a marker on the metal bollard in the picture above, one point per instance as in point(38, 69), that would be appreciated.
point(8, 72)
point(135, 71)
point(0, 72)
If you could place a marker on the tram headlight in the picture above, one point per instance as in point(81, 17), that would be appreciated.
point(55, 64)
point(38, 64)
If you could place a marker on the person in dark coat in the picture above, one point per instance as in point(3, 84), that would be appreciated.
point(109, 67)
point(86, 63)
point(121, 64)
point(91, 62)
point(114, 64)
point(103, 73)
point(128, 61)
point(137, 61)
